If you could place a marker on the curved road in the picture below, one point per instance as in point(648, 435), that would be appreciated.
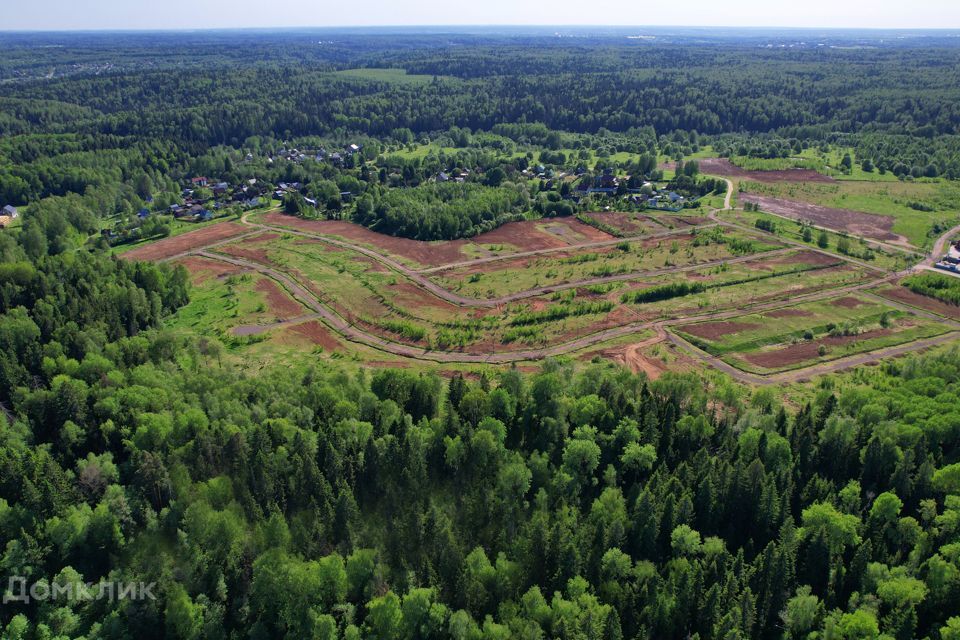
point(426, 283)
point(356, 334)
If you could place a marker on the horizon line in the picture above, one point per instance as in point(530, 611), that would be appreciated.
point(579, 26)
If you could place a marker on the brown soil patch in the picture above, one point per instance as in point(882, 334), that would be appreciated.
point(573, 226)
point(372, 265)
point(523, 235)
point(628, 223)
point(690, 221)
point(725, 168)
point(633, 358)
point(904, 295)
point(847, 302)
point(859, 223)
point(250, 253)
point(410, 295)
point(808, 258)
point(803, 351)
point(788, 313)
point(317, 333)
point(714, 330)
point(280, 303)
point(169, 247)
point(427, 253)
point(202, 269)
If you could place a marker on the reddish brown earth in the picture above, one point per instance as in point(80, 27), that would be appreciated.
point(169, 247)
point(574, 226)
point(803, 351)
point(410, 295)
point(317, 333)
point(811, 258)
point(904, 295)
point(428, 253)
point(372, 265)
point(628, 223)
point(714, 330)
point(725, 168)
point(251, 247)
point(522, 235)
point(690, 221)
point(788, 313)
point(281, 305)
point(858, 223)
point(256, 254)
point(202, 269)
point(847, 302)
point(632, 357)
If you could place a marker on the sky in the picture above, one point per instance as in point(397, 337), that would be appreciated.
point(198, 14)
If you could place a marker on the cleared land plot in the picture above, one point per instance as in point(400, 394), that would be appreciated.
point(881, 257)
point(509, 276)
point(725, 168)
point(530, 235)
point(202, 269)
point(227, 304)
point(858, 223)
point(813, 332)
point(914, 207)
point(386, 304)
point(169, 247)
point(907, 297)
point(762, 279)
point(628, 224)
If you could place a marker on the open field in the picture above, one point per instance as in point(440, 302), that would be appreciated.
point(726, 169)
point(879, 209)
point(875, 227)
point(531, 235)
point(228, 301)
point(629, 257)
point(291, 289)
point(188, 241)
point(799, 335)
point(881, 256)
point(904, 296)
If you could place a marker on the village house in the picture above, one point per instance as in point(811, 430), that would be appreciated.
point(11, 211)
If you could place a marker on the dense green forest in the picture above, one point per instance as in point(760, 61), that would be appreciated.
point(578, 502)
point(572, 503)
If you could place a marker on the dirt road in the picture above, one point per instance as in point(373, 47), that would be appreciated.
point(356, 334)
